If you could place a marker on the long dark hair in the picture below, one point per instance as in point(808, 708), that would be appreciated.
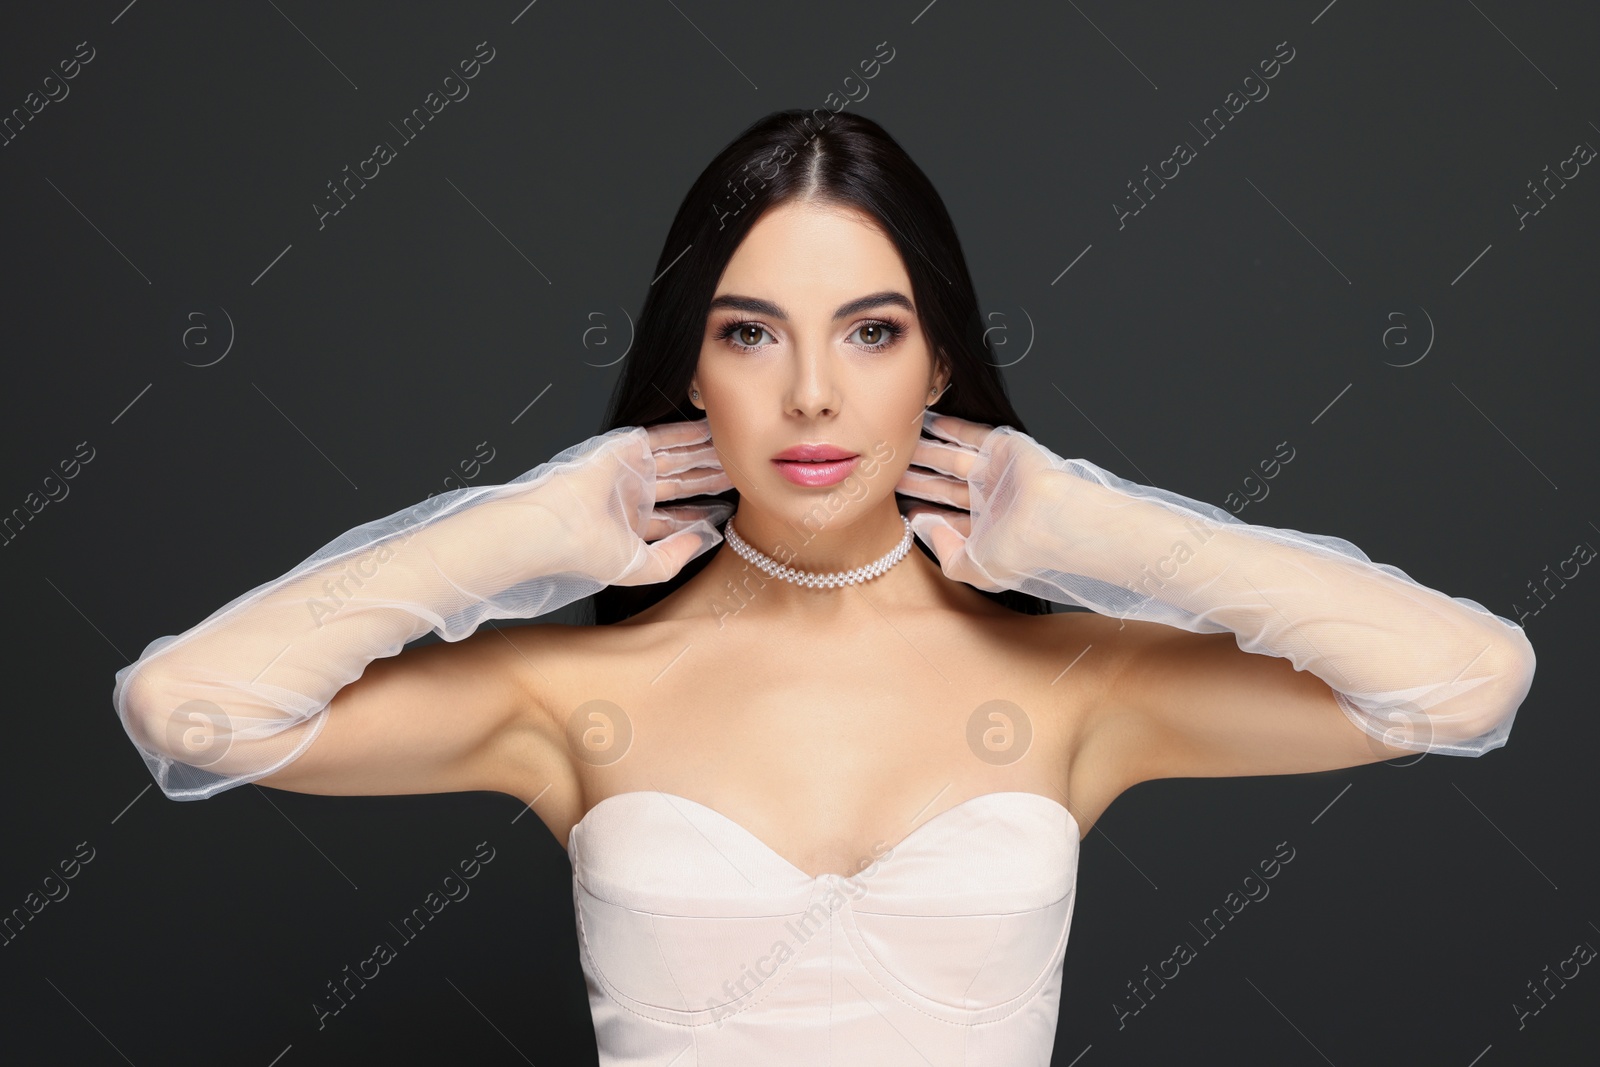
point(830, 158)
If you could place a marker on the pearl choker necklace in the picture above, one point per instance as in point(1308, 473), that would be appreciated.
point(773, 569)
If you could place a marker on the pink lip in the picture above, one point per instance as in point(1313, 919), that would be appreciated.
point(816, 473)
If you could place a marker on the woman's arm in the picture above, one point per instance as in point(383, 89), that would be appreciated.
point(1407, 664)
point(243, 694)
point(1320, 640)
point(1413, 668)
point(455, 716)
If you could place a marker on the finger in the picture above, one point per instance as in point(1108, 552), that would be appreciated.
point(934, 529)
point(959, 521)
point(944, 457)
point(938, 530)
point(693, 483)
point(935, 487)
point(682, 457)
point(665, 558)
point(956, 429)
point(667, 434)
point(665, 521)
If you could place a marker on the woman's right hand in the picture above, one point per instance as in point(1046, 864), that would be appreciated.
point(604, 502)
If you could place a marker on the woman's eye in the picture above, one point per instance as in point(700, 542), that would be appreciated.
point(744, 334)
point(876, 335)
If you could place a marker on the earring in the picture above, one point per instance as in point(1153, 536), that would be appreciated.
point(694, 394)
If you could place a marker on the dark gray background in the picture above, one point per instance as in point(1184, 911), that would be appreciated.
point(1247, 305)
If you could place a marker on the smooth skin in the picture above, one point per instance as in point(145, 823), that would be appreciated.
point(821, 720)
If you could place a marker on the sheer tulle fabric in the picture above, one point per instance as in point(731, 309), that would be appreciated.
point(239, 695)
point(1408, 665)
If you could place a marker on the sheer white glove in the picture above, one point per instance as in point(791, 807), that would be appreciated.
point(1409, 665)
point(239, 695)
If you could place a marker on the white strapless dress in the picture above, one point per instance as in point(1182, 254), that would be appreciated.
point(702, 947)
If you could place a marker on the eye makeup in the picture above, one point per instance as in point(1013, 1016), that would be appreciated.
point(896, 328)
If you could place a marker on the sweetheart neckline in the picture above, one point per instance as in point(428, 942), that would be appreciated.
point(828, 875)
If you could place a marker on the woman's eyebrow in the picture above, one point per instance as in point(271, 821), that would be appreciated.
point(757, 306)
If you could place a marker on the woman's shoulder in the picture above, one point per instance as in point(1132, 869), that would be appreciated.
point(557, 655)
point(1108, 633)
point(1093, 649)
point(1050, 633)
point(586, 642)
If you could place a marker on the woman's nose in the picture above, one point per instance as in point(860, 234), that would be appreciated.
point(813, 385)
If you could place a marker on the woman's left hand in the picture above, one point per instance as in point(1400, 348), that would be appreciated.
point(1010, 489)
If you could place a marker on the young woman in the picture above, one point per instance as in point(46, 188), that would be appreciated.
point(822, 794)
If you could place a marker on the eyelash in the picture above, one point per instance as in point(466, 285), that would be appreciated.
point(897, 329)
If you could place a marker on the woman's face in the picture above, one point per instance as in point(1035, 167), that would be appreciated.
point(813, 338)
